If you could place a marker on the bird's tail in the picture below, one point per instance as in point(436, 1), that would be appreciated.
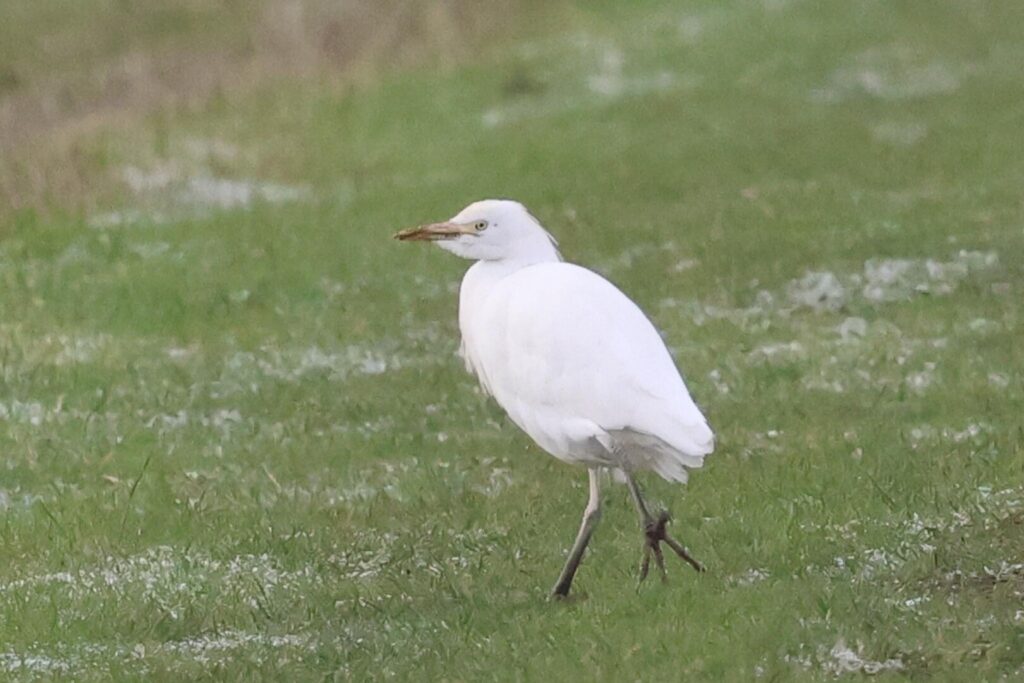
point(669, 459)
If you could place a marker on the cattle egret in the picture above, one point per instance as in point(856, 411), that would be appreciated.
point(574, 362)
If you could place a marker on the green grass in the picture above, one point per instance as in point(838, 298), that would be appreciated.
point(237, 443)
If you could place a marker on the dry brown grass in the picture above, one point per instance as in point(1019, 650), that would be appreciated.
point(69, 85)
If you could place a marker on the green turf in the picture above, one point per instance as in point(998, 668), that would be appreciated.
point(237, 443)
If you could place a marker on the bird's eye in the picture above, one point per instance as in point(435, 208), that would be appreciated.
point(480, 226)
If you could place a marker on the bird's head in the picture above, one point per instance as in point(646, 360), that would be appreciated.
point(490, 230)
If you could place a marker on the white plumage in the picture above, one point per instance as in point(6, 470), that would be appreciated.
point(572, 360)
point(579, 368)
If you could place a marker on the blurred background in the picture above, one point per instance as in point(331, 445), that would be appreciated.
point(236, 441)
point(71, 71)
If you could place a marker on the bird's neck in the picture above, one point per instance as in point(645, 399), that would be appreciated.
point(480, 280)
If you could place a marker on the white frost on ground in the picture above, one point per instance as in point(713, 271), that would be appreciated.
point(928, 434)
point(843, 660)
point(78, 659)
point(1000, 380)
point(498, 479)
point(889, 73)
point(983, 326)
point(35, 663)
point(684, 265)
point(28, 412)
point(244, 370)
point(883, 280)
point(159, 576)
point(364, 564)
point(820, 291)
point(223, 420)
point(889, 279)
point(16, 498)
point(919, 382)
point(174, 190)
point(716, 379)
point(207, 648)
point(916, 535)
point(611, 82)
point(127, 218)
point(226, 193)
point(752, 576)
point(753, 318)
point(852, 328)
point(784, 351)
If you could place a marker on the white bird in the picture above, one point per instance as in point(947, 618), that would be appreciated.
point(573, 361)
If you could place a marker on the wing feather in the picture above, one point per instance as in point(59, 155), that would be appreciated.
point(555, 344)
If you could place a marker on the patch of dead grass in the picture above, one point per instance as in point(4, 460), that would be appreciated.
point(51, 119)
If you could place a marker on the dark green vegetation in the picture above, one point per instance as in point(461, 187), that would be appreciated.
point(236, 440)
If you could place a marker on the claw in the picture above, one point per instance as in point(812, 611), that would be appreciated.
point(645, 565)
point(654, 535)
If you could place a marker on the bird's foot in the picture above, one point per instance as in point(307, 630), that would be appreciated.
point(654, 535)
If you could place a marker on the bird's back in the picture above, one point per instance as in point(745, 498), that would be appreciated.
point(580, 368)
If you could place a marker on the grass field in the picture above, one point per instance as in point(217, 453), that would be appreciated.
point(236, 441)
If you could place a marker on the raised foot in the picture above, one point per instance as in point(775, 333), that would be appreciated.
point(654, 535)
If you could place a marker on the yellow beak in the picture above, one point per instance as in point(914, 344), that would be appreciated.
point(434, 232)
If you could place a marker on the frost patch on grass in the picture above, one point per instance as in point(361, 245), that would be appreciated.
point(753, 318)
point(752, 576)
point(244, 370)
point(890, 73)
point(170, 579)
point(31, 412)
point(205, 190)
point(16, 499)
point(983, 326)
point(973, 432)
point(852, 328)
point(999, 380)
point(226, 193)
point(784, 351)
point(55, 348)
point(918, 535)
point(209, 648)
point(83, 658)
point(364, 564)
point(127, 218)
point(223, 420)
point(716, 379)
point(887, 280)
point(843, 660)
point(611, 82)
point(919, 382)
point(13, 662)
point(173, 190)
point(498, 479)
point(67, 349)
point(820, 291)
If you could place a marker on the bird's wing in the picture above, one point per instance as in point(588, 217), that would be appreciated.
point(555, 341)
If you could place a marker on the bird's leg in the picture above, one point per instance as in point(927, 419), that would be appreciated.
point(591, 515)
point(655, 534)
